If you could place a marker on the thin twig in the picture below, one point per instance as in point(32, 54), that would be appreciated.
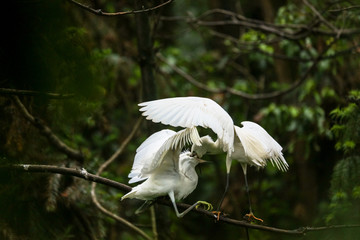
point(344, 9)
point(101, 169)
point(121, 148)
point(106, 14)
point(123, 187)
point(153, 222)
point(9, 91)
point(188, 77)
point(286, 31)
point(48, 133)
point(318, 14)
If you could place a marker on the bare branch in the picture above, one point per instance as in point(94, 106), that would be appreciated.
point(188, 77)
point(286, 31)
point(47, 132)
point(344, 9)
point(121, 148)
point(101, 169)
point(80, 173)
point(153, 222)
point(316, 12)
point(9, 91)
point(101, 13)
point(123, 187)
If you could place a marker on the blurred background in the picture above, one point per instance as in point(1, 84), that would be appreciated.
point(291, 66)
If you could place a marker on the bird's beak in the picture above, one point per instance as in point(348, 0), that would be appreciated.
point(202, 161)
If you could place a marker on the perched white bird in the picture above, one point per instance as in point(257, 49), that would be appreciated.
point(165, 169)
point(250, 144)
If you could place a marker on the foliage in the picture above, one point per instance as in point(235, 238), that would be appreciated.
point(345, 181)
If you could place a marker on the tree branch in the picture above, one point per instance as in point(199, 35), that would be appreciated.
point(47, 132)
point(101, 13)
point(344, 9)
point(9, 91)
point(124, 188)
point(286, 31)
point(318, 14)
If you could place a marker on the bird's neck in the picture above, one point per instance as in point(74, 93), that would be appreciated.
point(211, 146)
point(187, 169)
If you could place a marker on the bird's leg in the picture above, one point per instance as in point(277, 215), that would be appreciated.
point(218, 212)
point(228, 166)
point(145, 206)
point(224, 194)
point(180, 215)
point(250, 215)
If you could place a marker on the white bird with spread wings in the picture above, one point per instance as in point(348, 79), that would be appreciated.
point(165, 169)
point(249, 144)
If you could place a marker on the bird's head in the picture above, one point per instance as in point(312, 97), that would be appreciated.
point(188, 158)
point(187, 164)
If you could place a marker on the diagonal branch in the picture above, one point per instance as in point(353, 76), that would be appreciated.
point(106, 14)
point(344, 9)
point(48, 133)
point(123, 187)
point(101, 169)
point(292, 32)
point(188, 77)
point(9, 91)
point(318, 14)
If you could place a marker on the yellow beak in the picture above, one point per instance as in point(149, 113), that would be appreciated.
point(202, 161)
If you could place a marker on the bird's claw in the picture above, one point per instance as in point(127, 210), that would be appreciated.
point(216, 214)
point(208, 206)
point(251, 217)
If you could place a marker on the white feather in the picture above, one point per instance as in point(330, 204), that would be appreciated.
point(146, 152)
point(256, 146)
point(164, 168)
point(259, 147)
point(151, 153)
point(188, 112)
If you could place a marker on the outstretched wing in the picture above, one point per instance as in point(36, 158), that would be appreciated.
point(188, 112)
point(161, 150)
point(168, 153)
point(146, 152)
point(260, 146)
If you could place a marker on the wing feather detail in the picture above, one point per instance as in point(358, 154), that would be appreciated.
point(161, 151)
point(260, 146)
point(188, 112)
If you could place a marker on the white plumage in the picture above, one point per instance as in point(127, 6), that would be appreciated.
point(189, 112)
point(164, 168)
point(253, 146)
point(249, 145)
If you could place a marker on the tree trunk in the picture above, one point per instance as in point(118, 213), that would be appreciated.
point(145, 52)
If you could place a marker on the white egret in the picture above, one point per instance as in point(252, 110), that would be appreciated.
point(165, 169)
point(252, 145)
